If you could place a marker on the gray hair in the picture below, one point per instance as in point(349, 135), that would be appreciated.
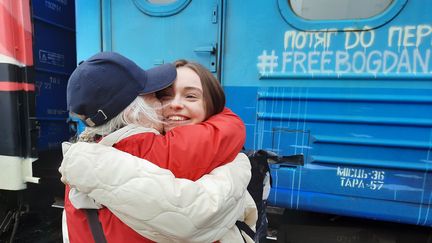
point(138, 112)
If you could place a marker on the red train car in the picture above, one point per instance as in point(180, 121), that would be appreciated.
point(17, 95)
point(37, 55)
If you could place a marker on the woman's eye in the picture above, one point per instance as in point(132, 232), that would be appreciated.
point(191, 96)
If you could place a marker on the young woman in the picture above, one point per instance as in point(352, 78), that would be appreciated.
point(189, 151)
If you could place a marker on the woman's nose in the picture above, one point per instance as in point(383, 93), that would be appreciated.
point(176, 103)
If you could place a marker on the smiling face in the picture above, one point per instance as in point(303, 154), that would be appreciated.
point(183, 102)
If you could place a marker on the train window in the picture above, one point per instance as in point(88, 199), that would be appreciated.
point(338, 9)
point(161, 8)
point(339, 15)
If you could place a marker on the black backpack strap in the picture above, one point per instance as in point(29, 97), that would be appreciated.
point(245, 228)
point(95, 225)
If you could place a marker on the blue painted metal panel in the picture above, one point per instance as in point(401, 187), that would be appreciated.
point(357, 105)
point(368, 151)
point(55, 59)
point(150, 40)
point(56, 12)
point(54, 49)
point(88, 28)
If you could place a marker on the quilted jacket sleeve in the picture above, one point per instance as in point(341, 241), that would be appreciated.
point(176, 209)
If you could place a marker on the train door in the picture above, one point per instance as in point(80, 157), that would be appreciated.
point(347, 85)
point(151, 32)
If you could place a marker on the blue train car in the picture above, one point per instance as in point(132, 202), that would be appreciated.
point(345, 84)
point(55, 59)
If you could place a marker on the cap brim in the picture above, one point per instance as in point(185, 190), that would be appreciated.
point(159, 78)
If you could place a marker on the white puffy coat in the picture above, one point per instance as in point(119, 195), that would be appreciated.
point(153, 202)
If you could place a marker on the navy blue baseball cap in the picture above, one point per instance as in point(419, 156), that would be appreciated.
point(106, 83)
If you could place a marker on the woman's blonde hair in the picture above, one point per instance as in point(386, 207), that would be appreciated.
point(138, 112)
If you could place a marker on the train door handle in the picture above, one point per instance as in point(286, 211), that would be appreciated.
point(210, 52)
point(206, 49)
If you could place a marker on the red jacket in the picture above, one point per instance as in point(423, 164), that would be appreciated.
point(189, 152)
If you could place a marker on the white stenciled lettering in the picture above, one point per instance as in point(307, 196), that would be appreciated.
point(351, 42)
point(53, 6)
point(325, 60)
point(409, 35)
point(321, 39)
point(359, 38)
point(376, 185)
point(363, 39)
point(359, 62)
point(421, 60)
point(340, 171)
point(394, 32)
point(389, 61)
point(299, 60)
point(289, 35)
point(404, 62)
point(313, 60)
point(342, 62)
point(358, 178)
point(286, 58)
point(422, 32)
point(307, 52)
point(374, 62)
point(351, 172)
point(267, 63)
point(300, 39)
point(353, 183)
